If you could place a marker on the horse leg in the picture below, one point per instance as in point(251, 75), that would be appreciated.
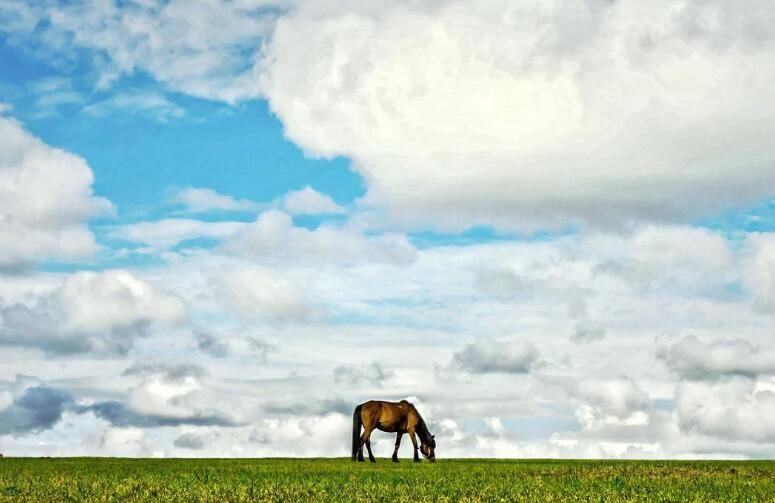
point(366, 440)
point(398, 444)
point(371, 456)
point(414, 443)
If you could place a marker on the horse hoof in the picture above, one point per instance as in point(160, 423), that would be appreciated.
point(395, 460)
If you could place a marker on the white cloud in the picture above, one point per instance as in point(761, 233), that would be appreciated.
point(693, 359)
point(198, 47)
point(609, 401)
point(759, 271)
point(201, 200)
point(525, 114)
point(99, 313)
point(46, 197)
point(272, 236)
point(165, 234)
point(374, 373)
point(152, 104)
point(308, 201)
point(732, 409)
point(255, 292)
point(487, 356)
point(587, 333)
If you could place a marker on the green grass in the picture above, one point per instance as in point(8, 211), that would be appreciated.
point(110, 479)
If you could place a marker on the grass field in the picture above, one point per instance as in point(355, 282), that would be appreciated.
point(109, 479)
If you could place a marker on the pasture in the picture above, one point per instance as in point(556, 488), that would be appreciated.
point(111, 479)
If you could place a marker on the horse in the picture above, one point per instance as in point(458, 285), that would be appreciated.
point(399, 418)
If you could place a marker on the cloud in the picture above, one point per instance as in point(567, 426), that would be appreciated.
point(99, 313)
point(37, 408)
point(373, 373)
point(692, 359)
point(759, 271)
point(608, 400)
point(319, 407)
point(255, 292)
point(272, 236)
point(182, 44)
point(203, 200)
point(168, 371)
point(212, 345)
point(677, 259)
point(308, 201)
point(168, 394)
point(732, 409)
point(587, 333)
point(189, 441)
point(490, 356)
point(119, 414)
point(45, 196)
point(170, 232)
point(152, 104)
point(533, 114)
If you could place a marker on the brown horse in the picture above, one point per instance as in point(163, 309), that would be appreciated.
point(398, 418)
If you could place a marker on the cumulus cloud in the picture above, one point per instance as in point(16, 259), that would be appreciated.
point(587, 333)
point(120, 414)
point(189, 441)
point(46, 197)
point(517, 114)
point(309, 201)
point(272, 236)
point(37, 408)
point(617, 400)
point(168, 394)
point(678, 259)
point(212, 345)
point(182, 44)
point(692, 359)
point(100, 313)
point(169, 232)
point(202, 200)
point(524, 114)
point(732, 409)
point(489, 356)
point(309, 407)
point(373, 373)
point(759, 271)
point(255, 292)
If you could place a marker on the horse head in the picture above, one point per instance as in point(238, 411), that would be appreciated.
point(428, 449)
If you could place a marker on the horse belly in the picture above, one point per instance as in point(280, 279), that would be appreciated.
point(388, 427)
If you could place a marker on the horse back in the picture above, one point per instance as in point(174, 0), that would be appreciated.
point(389, 416)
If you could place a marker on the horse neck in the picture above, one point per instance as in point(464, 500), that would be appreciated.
point(422, 429)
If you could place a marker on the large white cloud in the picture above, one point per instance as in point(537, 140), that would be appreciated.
point(99, 313)
point(45, 199)
point(518, 114)
point(693, 359)
point(534, 113)
point(734, 409)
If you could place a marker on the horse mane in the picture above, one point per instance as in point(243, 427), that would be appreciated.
point(422, 429)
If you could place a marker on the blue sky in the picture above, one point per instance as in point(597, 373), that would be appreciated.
point(245, 216)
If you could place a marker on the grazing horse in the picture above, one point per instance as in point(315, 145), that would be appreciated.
point(398, 418)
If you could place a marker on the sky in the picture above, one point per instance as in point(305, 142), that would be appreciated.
point(550, 225)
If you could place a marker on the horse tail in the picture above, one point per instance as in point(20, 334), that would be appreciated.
point(357, 423)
